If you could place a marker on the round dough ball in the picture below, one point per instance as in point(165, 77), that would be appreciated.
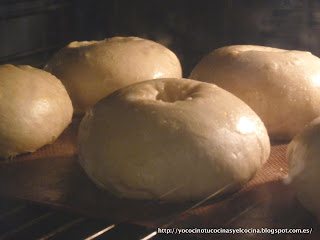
point(281, 86)
point(35, 109)
point(92, 70)
point(304, 166)
point(174, 139)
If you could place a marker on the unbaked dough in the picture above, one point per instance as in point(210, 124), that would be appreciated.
point(90, 70)
point(281, 86)
point(171, 139)
point(35, 109)
point(303, 155)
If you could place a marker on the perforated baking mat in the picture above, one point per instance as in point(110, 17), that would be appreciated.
point(52, 176)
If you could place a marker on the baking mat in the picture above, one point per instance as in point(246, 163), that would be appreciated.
point(52, 176)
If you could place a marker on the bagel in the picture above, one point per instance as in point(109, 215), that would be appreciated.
point(90, 70)
point(173, 139)
point(281, 86)
point(35, 109)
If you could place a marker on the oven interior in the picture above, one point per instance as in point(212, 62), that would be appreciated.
point(31, 31)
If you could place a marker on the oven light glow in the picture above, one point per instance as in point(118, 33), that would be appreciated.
point(316, 80)
point(245, 126)
point(157, 75)
point(40, 107)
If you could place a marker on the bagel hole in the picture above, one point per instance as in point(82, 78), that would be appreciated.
point(173, 92)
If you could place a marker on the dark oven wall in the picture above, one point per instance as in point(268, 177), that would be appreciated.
point(32, 30)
